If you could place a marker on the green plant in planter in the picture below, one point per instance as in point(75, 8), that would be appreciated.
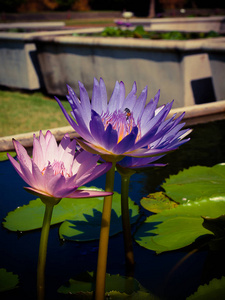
point(140, 32)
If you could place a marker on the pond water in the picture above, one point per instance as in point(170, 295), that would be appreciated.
point(19, 251)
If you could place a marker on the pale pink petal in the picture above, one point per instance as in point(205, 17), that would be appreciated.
point(63, 145)
point(38, 157)
point(48, 175)
point(38, 177)
point(93, 173)
point(37, 192)
point(87, 164)
point(22, 155)
point(81, 159)
point(88, 194)
point(55, 184)
point(68, 155)
point(48, 136)
point(28, 176)
point(16, 165)
point(43, 144)
point(52, 149)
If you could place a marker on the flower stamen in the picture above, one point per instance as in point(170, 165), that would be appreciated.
point(121, 121)
point(58, 168)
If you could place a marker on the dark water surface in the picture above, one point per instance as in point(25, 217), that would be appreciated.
point(19, 252)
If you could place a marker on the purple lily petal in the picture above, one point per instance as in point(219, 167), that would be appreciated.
point(81, 126)
point(85, 101)
point(73, 97)
point(110, 138)
point(117, 97)
point(131, 98)
point(96, 127)
point(126, 143)
point(140, 104)
point(96, 104)
point(69, 119)
point(149, 111)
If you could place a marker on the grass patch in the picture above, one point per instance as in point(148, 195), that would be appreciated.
point(22, 112)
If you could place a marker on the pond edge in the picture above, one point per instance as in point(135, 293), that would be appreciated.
point(196, 114)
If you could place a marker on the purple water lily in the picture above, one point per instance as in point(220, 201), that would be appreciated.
point(124, 126)
point(57, 171)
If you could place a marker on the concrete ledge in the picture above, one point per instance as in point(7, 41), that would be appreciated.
point(163, 45)
point(32, 25)
point(26, 36)
point(195, 114)
point(26, 139)
point(203, 113)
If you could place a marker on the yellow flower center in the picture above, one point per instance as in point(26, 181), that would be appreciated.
point(121, 121)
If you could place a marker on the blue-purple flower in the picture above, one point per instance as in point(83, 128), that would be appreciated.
point(124, 126)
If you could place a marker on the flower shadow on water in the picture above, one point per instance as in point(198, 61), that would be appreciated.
point(144, 231)
point(88, 229)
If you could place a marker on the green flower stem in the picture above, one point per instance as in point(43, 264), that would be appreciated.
point(128, 245)
point(104, 236)
point(43, 251)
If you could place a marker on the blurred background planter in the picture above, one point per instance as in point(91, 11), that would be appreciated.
point(188, 71)
point(191, 72)
point(18, 55)
point(196, 24)
point(19, 65)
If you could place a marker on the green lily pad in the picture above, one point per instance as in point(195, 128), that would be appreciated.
point(178, 227)
point(116, 287)
point(157, 202)
point(30, 217)
point(8, 280)
point(196, 182)
point(3, 155)
point(214, 290)
point(86, 223)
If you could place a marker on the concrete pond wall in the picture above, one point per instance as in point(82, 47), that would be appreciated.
point(196, 114)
